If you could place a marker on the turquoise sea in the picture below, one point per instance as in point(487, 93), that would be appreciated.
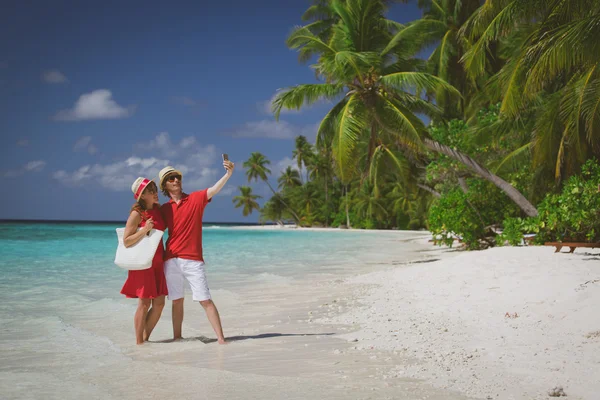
point(63, 318)
point(47, 260)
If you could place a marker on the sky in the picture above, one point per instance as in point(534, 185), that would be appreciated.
point(95, 94)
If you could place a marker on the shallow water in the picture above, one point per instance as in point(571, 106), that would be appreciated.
point(64, 320)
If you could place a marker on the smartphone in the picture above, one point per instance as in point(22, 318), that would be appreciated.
point(225, 157)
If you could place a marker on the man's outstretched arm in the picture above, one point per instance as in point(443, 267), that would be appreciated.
point(216, 188)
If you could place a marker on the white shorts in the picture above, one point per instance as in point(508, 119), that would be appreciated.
point(179, 270)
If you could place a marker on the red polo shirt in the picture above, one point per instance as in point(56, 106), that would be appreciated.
point(184, 221)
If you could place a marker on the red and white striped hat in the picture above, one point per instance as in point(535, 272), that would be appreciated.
point(138, 186)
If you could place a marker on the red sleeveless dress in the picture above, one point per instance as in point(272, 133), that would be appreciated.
point(149, 283)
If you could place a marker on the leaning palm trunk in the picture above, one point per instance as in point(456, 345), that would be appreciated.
point(284, 203)
point(486, 174)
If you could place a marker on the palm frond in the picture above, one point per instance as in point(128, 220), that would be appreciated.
point(298, 96)
point(358, 62)
point(349, 127)
point(393, 26)
point(475, 58)
point(547, 132)
point(562, 49)
point(417, 34)
point(521, 151)
point(326, 130)
point(390, 160)
point(303, 37)
point(590, 112)
point(316, 11)
point(399, 121)
point(418, 81)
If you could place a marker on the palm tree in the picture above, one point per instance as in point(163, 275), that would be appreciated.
point(256, 168)
point(274, 210)
point(440, 25)
point(307, 197)
point(290, 178)
point(247, 200)
point(322, 18)
point(303, 153)
point(552, 77)
point(321, 169)
point(368, 205)
point(377, 93)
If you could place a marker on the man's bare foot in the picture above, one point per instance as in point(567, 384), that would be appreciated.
point(177, 338)
point(222, 341)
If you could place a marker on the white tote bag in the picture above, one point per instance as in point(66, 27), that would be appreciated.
point(140, 255)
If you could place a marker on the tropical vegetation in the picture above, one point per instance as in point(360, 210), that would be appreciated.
point(487, 133)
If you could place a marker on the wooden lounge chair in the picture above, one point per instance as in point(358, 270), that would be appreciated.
point(572, 245)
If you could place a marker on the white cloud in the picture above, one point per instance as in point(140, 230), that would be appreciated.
point(165, 147)
point(117, 176)
point(274, 130)
point(54, 76)
point(95, 105)
point(282, 165)
point(84, 143)
point(188, 141)
point(35, 165)
point(197, 163)
point(23, 143)
point(31, 166)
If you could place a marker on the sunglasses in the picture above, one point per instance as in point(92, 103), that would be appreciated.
point(171, 178)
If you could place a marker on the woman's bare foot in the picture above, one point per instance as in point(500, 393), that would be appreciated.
point(222, 341)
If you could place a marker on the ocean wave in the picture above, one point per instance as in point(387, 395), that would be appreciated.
point(269, 277)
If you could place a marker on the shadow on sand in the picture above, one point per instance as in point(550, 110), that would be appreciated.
point(207, 340)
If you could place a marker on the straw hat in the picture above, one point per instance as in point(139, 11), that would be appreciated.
point(138, 186)
point(164, 172)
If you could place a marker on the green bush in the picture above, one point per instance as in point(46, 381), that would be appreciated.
point(470, 215)
point(514, 230)
point(574, 214)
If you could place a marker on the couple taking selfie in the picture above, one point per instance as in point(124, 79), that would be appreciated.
point(180, 261)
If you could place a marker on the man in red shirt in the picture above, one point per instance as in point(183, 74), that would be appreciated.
point(183, 256)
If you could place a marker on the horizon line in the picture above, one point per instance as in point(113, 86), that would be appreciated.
point(77, 221)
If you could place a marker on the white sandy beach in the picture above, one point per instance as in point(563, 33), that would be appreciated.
point(508, 323)
point(407, 321)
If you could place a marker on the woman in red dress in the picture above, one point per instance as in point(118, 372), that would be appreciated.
point(147, 285)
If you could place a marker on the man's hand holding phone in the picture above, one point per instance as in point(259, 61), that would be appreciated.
point(228, 165)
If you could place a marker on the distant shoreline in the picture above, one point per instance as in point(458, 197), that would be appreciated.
point(59, 221)
point(239, 225)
